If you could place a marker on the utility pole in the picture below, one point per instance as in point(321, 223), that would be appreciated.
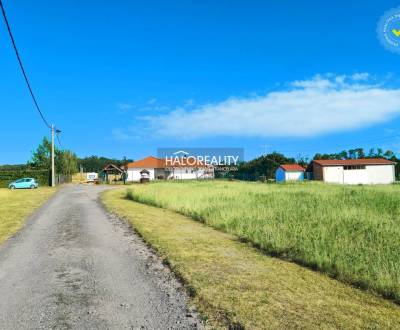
point(53, 183)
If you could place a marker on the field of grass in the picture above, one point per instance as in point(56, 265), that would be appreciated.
point(349, 232)
point(17, 205)
point(233, 284)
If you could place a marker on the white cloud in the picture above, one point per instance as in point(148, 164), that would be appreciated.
point(312, 107)
point(189, 103)
point(360, 76)
point(120, 135)
point(124, 106)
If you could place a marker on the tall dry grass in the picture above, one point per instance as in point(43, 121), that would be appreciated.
point(350, 232)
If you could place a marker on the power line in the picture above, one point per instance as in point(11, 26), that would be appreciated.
point(22, 67)
point(58, 139)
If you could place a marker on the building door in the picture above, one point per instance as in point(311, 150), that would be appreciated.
point(333, 174)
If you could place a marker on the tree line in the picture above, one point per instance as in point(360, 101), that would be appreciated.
point(96, 163)
point(66, 161)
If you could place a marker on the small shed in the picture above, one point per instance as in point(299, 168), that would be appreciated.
point(289, 172)
point(112, 172)
point(144, 176)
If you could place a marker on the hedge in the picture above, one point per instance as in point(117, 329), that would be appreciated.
point(7, 176)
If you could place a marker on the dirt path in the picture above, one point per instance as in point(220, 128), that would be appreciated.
point(75, 267)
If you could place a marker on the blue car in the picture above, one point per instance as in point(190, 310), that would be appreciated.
point(24, 183)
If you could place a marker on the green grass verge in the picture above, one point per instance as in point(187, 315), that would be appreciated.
point(349, 232)
point(17, 205)
point(232, 283)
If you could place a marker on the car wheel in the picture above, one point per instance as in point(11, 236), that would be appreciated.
point(12, 187)
point(32, 186)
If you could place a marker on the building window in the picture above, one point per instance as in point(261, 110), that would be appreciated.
point(354, 167)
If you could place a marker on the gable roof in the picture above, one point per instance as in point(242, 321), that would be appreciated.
point(362, 161)
point(112, 168)
point(148, 162)
point(292, 167)
point(153, 162)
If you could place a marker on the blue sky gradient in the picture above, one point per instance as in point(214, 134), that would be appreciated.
point(110, 74)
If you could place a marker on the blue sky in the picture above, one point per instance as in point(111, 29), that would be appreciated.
point(124, 78)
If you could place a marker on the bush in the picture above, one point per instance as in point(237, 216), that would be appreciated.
point(9, 175)
point(129, 195)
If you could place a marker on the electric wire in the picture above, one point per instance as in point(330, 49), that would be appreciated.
point(22, 66)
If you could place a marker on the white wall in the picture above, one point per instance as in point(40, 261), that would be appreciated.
point(186, 173)
point(383, 174)
point(134, 174)
point(282, 175)
point(333, 174)
point(355, 176)
point(294, 176)
point(372, 174)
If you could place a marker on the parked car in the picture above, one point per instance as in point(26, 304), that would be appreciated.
point(27, 183)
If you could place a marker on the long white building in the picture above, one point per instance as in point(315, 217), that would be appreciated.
point(354, 171)
point(159, 169)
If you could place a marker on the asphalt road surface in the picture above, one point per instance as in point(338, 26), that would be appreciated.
point(73, 266)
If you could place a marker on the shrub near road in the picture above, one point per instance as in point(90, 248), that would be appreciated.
point(351, 233)
point(17, 205)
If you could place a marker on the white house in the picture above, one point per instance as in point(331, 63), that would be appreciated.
point(354, 171)
point(159, 169)
point(289, 172)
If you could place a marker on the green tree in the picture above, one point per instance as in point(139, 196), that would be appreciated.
point(265, 165)
point(96, 164)
point(360, 152)
point(389, 154)
point(41, 157)
point(371, 153)
point(66, 162)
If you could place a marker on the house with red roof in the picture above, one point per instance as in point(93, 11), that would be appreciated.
point(354, 171)
point(289, 172)
point(158, 168)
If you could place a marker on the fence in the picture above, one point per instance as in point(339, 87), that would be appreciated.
point(63, 178)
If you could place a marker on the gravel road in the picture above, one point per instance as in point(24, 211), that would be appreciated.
point(74, 266)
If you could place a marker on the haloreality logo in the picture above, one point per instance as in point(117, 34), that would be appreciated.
point(221, 159)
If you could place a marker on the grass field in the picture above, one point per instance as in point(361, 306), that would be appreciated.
point(17, 205)
point(349, 232)
point(235, 285)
